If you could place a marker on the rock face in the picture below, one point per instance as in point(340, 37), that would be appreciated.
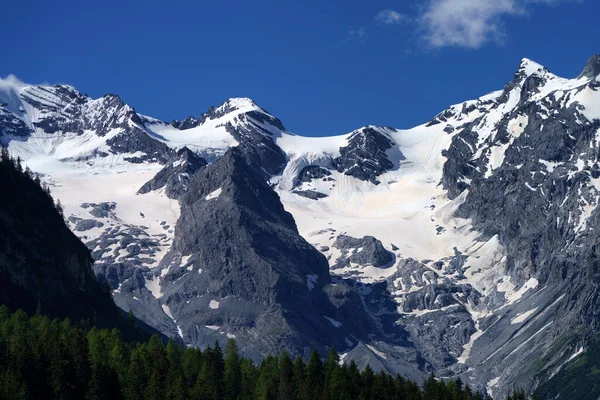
point(257, 144)
point(239, 268)
point(174, 177)
point(310, 194)
point(307, 174)
point(530, 181)
point(187, 123)
point(365, 155)
point(365, 251)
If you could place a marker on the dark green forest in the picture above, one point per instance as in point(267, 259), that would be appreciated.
point(56, 359)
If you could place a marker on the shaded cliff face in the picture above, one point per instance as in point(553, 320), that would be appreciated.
point(43, 265)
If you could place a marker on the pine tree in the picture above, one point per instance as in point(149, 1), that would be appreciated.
point(313, 377)
point(18, 165)
point(431, 388)
point(173, 355)
point(191, 364)
point(298, 377)
point(4, 156)
point(367, 378)
point(12, 385)
point(155, 388)
point(353, 380)
point(104, 384)
point(331, 363)
point(60, 209)
point(233, 374)
point(267, 384)
point(286, 372)
point(135, 377)
point(177, 389)
point(217, 369)
point(249, 378)
point(203, 388)
point(337, 384)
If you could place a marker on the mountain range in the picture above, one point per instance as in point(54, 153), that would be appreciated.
point(465, 246)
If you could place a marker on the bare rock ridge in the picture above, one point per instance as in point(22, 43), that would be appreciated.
point(174, 176)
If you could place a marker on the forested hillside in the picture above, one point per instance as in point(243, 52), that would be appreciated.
point(44, 267)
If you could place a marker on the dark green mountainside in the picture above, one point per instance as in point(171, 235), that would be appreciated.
point(44, 267)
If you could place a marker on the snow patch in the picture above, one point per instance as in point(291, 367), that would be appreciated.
point(522, 317)
point(379, 353)
point(214, 195)
point(576, 354)
point(336, 324)
point(311, 281)
point(167, 311)
point(153, 285)
point(492, 384)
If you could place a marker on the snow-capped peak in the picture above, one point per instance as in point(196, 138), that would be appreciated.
point(239, 103)
point(529, 67)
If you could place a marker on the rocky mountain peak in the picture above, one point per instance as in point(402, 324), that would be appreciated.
point(187, 123)
point(236, 104)
point(175, 175)
point(592, 68)
point(365, 157)
point(113, 99)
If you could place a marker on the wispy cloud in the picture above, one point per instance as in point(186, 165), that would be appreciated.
point(463, 23)
point(471, 23)
point(390, 17)
point(357, 36)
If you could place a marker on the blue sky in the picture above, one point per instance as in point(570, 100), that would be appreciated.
point(322, 67)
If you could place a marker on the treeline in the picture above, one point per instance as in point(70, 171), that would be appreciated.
point(15, 170)
point(52, 359)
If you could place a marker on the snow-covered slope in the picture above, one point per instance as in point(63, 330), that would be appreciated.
point(458, 234)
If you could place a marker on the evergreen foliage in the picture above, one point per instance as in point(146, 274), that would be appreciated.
point(42, 358)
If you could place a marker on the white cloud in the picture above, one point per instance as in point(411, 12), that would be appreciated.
point(390, 17)
point(464, 23)
point(470, 23)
